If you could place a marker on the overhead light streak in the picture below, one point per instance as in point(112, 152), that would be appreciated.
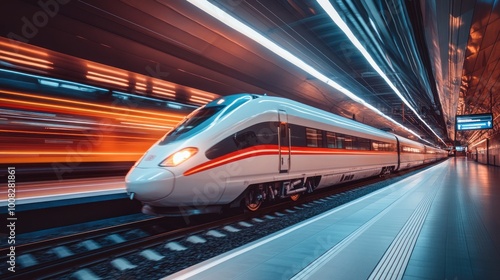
point(76, 134)
point(199, 100)
point(107, 75)
point(106, 79)
point(16, 46)
point(164, 91)
point(202, 93)
point(232, 22)
point(334, 15)
point(46, 80)
point(101, 110)
point(25, 59)
point(27, 63)
point(202, 97)
point(164, 88)
point(148, 126)
point(140, 84)
point(26, 56)
point(70, 109)
point(67, 153)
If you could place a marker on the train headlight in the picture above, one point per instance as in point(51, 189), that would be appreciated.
point(179, 157)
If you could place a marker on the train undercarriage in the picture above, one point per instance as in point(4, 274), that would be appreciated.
point(258, 194)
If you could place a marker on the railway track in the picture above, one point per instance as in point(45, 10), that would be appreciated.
point(140, 234)
point(98, 245)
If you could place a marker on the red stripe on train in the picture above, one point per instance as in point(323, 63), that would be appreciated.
point(262, 150)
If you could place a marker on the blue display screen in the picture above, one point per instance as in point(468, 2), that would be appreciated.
point(472, 122)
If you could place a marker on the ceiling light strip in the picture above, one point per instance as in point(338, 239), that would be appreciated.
point(334, 15)
point(232, 22)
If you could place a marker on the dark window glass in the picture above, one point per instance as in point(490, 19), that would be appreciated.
point(314, 137)
point(200, 118)
point(258, 134)
point(348, 142)
point(331, 140)
point(297, 133)
point(340, 139)
point(245, 139)
point(362, 144)
point(195, 120)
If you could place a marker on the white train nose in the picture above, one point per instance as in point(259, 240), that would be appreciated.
point(149, 184)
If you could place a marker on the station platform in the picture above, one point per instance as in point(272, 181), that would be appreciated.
point(67, 202)
point(441, 223)
point(40, 195)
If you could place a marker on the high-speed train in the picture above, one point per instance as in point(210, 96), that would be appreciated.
point(246, 149)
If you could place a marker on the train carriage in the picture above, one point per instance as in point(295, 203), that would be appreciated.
point(245, 149)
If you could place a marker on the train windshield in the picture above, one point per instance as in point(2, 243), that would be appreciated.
point(196, 119)
point(199, 119)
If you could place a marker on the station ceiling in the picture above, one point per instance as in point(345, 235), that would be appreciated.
point(442, 57)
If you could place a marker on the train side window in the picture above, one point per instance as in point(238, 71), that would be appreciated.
point(363, 144)
point(382, 146)
point(409, 149)
point(314, 137)
point(297, 133)
point(348, 142)
point(331, 140)
point(245, 139)
point(354, 143)
point(340, 139)
point(258, 134)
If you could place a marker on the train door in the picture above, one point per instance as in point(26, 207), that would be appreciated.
point(399, 153)
point(284, 148)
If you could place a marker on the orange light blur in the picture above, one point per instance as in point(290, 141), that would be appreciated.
point(26, 49)
point(140, 84)
point(179, 117)
point(43, 129)
point(31, 57)
point(68, 109)
point(76, 134)
point(106, 80)
point(163, 92)
point(28, 63)
point(202, 93)
point(107, 75)
point(106, 69)
point(164, 88)
point(199, 100)
point(198, 96)
point(25, 57)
